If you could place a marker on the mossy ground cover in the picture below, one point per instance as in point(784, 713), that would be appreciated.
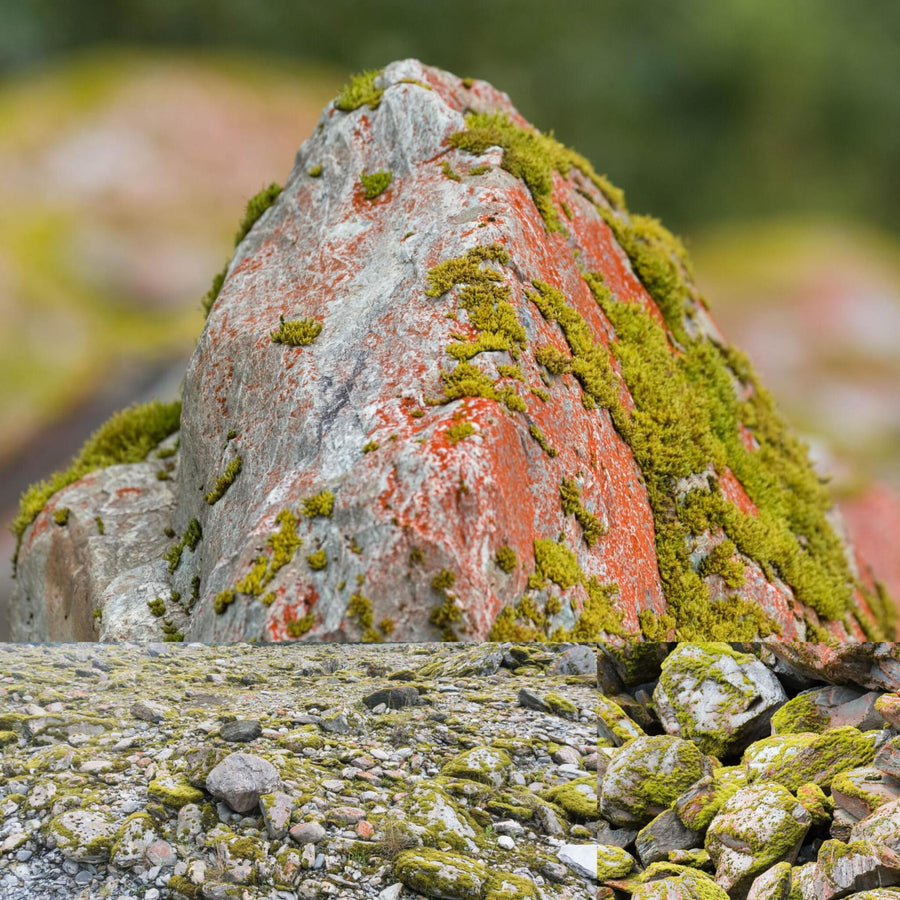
point(323, 764)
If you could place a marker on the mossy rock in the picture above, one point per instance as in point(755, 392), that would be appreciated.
point(646, 775)
point(83, 836)
point(578, 798)
point(795, 759)
point(443, 875)
point(174, 792)
point(504, 886)
point(487, 765)
point(613, 862)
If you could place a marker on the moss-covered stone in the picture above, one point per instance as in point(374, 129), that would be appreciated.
point(796, 759)
point(174, 792)
point(578, 798)
point(440, 874)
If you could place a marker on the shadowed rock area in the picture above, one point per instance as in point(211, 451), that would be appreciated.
point(450, 388)
point(164, 773)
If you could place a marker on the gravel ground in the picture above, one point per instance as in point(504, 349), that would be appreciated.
point(220, 771)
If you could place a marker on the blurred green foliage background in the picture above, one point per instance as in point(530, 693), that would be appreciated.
point(765, 132)
point(701, 109)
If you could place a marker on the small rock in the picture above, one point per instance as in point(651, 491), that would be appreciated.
point(759, 826)
point(307, 833)
point(242, 730)
point(393, 698)
point(240, 779)
point(583, 858)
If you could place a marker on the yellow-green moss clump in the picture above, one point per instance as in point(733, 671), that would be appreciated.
point(527, 621)
point(506, 559)
point(256, 206)
point(321, 504)
point(800, 714)
point(61, 515)
point(570, 497)
point(360, 90)
point(531, 156)
point(578, 798)
point(174, 793)
point(375, 183)
point(283, 544)
point(192, 536)
point(296, 332)
point(298, 627)
point(688, 417)
point(224, 481)
point(459, 431)
point(126, 438)
point(317, 560)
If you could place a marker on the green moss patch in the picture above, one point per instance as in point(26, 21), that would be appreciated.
point(296, 332)
point(126, 438)
point(375, 183)
point(224, 481)
point(360, 91)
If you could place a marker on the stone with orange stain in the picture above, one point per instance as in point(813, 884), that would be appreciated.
point(411, 544)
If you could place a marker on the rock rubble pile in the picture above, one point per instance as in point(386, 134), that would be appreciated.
point(749, 772)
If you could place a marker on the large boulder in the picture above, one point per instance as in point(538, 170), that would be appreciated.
point(720, 699)
point(448, 387)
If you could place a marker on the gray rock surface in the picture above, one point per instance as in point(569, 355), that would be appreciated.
point(240, 779)
point(759, 826)
point(721, 699)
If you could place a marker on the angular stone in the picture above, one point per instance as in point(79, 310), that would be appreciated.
point(578, 660)
point(137, 834)
point(687, 885)
point(873, 666)
point(825, 708)
point(759, 826)
point(646, 775)
point(861, 791)
point(843, 869)
point(276, 812)
point(588, 860)
point(795, 759)
point(718, 698)
point(664, 834)
point(697, 806)
point(148, 712)
point(240, 779)
point(431, 812)
point(887, 759)
point(614, 724)
point(888, 707)
point(393, 698)
point(444, 875)
point(880, 827)
point(240, 731)
point(399, 356)
point(773, 884)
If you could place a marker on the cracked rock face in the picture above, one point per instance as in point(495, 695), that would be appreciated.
point(461, 451)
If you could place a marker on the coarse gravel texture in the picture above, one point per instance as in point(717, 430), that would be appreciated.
point(362, 771)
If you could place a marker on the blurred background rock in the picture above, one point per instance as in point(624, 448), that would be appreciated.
point(767, 134)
